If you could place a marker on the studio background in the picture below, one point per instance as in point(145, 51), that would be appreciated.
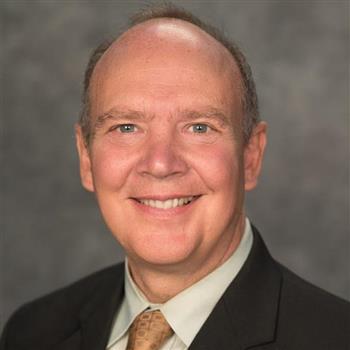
point(51, 230)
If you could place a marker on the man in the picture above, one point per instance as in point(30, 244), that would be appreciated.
point(169, 141)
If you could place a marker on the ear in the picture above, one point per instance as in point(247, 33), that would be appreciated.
point(84, 160)
point(253, 155)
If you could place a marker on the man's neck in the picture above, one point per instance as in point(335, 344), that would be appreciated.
point(161, 283)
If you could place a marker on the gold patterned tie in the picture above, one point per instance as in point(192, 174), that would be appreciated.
point(148, 331)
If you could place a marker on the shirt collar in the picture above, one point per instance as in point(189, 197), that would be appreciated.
point(132, 305)
point(188, 310)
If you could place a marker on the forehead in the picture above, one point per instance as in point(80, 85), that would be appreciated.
point(166, 36)
point(166, 58)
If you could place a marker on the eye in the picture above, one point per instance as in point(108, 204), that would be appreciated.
point(125, 128)
point(200, 128)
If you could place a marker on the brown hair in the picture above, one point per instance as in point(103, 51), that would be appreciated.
point(168, 10)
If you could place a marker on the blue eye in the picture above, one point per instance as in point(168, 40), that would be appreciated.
point(126, 128)
point(200, 128)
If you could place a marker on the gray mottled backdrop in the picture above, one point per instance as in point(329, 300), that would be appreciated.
point(51, 230)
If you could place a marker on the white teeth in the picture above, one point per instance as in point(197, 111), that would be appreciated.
point(158, 204)
point(167, 204)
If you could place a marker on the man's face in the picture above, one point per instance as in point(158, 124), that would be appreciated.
point(167, 162)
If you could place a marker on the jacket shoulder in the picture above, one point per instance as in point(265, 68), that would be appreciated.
point(311, 314)
point(56, 314)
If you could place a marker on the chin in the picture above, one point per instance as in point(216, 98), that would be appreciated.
point(161, 252)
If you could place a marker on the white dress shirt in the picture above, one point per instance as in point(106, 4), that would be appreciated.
point(187, 311)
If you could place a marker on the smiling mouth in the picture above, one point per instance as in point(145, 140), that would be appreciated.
point(168, 203)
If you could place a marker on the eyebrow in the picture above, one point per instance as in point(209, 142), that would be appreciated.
point(208, 112)
point(116, 114)
point(212, 113)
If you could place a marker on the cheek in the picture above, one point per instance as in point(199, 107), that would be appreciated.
point(219, 167)
point(111, 166)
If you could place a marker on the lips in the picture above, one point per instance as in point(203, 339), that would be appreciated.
point(167, 203)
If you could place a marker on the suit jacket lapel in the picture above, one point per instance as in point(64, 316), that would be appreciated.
point(98, 315)
point(247, 313)
point(71, 343)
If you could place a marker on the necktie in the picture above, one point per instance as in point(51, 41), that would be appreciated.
point(148, 331)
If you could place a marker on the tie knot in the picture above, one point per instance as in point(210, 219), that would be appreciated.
point(148, 331)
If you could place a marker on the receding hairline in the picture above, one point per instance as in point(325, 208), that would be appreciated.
point(172, 12)
point(141, 31)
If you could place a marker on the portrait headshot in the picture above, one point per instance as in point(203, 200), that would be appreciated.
point(175, 175)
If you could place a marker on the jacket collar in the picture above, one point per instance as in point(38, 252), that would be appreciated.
point(247, 313)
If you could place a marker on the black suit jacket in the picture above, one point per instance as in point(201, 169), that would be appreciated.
point(266, 307)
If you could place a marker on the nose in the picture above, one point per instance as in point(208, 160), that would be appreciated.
point(161, 159)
